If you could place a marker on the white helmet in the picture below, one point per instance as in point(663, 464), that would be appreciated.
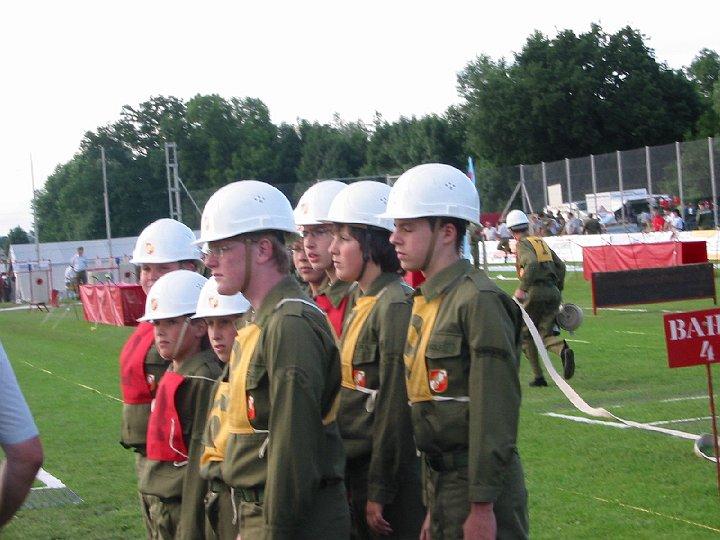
point(244, 207)
point(313, 206)
point(362, 203)
point(174, 294)
point(517, 219)
point(213, 304)
point(433, 189)
point(164, 241)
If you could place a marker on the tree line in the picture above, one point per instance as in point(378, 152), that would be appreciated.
point(566, 96)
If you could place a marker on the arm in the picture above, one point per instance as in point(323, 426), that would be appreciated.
point(392, 431)
point(560, 270)
point(296, 362)
point(17, 474)
point(491, 324)
point(194, 487)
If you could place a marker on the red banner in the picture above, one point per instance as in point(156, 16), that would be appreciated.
point(613, 258)
point(120, 305)
point(692, 338)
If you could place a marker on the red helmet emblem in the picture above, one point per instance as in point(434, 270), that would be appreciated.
point(438, 380)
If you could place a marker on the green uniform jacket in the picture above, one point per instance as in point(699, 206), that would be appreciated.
point(385, 434)
point(294, 379)
point(544, 274)
point(162, 478)
point(476, 339)
point(135, 415)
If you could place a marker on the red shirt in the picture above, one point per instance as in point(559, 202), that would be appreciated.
point(658, 223)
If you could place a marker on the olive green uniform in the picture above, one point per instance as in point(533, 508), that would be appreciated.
point(466, 422)
point(133, 429)
point(221, 522)
point(382, 465)
point(542, 275)
point(287, 475)
point(178, 511)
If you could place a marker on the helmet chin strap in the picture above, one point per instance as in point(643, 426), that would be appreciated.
point(180, 340)
point(248, 267)
point(433, 239)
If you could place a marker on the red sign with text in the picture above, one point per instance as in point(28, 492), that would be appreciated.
point(692, 338)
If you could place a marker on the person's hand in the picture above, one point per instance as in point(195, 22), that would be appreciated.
point(480, 523)
point(375, 520)
point(425, 529)
point(520, 294)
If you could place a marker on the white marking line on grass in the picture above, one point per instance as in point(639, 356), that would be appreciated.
point(73, 382)
point(644, 510)
point(629, 332)
point(583, 420)
point(679, 420)
point(685, 398)
point(49, 480)
point(577, 341)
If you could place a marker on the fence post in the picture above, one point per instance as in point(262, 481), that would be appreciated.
point(648, 170)
point(711, 153)
point(544, 180)
point(567, 181)
point(678, 159)
point(620, 185)
point(522, 190)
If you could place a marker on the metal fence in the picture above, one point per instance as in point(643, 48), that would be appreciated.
point(686, 172)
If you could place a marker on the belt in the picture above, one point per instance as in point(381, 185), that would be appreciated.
point(251, 495)
point(447, 461)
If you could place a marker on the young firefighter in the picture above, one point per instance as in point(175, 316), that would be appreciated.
point(542, 276)
point(335, 297)
point(462, 359)
point(284, 458)
point(222, 315)
point(179, 410)
point(312, 279)
point(382, 471)
point(163, 246)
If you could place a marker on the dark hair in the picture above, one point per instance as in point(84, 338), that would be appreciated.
point(375, 245)
point(459, 224)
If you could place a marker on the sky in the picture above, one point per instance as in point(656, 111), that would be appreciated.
point(69, 66)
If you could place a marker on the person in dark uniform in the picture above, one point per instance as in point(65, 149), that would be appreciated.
point(542, 277)
point(383, 470)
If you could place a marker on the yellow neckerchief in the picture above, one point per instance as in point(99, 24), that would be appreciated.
point(542, 251)
point(246, 341)
point(217, 425)
point(421, 325)
point(237, 413)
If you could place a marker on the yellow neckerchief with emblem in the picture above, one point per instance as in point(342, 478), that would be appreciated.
point(214, 449)
point(237, 414)
point(422, 322)
point(542, 251)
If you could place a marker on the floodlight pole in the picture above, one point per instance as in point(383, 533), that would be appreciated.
point(708, 366)
point(107, 205)
point(35, 224)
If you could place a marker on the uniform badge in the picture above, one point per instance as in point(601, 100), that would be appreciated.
point(150, 378)
point(149, 248)
point(153, 304)
point(251, 408)
point(359, 378)
point(438, 380)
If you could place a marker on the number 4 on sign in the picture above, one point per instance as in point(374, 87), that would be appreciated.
point(706, 351)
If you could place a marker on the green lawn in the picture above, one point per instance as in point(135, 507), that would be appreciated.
point(585, 481)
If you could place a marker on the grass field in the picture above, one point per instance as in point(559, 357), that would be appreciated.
point(584, 480)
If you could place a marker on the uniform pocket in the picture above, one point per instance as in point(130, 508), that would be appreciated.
point(446, 365)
